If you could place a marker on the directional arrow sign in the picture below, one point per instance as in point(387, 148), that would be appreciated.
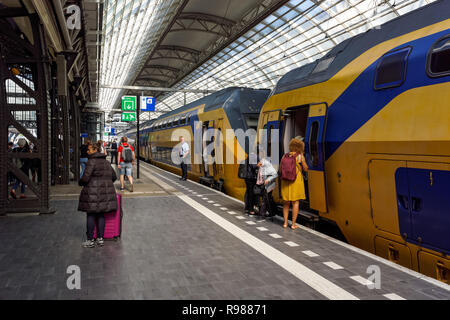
point(128, 103)
point(128, 117)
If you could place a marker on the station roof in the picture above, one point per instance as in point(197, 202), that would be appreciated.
point(211, 45)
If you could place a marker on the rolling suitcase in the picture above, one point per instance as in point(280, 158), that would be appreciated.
point(113, 222)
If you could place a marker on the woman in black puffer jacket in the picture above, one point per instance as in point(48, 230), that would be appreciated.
point(98, 195)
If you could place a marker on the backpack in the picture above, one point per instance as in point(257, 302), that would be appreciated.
point(289, 167)
point(127, 154)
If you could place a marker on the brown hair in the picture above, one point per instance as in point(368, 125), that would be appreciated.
point(296, 145)
point(94, 145)
point(124, 139)
point(87, 141)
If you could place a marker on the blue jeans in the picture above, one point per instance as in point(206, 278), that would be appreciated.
point(22, 186)
point(83, 162)
point(126, 168)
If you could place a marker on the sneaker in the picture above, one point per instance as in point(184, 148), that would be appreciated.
point(88, 244)
point(122, 188)
point(13, 194)
point(100, 242)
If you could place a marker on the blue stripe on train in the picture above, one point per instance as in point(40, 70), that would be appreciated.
point(360, 102)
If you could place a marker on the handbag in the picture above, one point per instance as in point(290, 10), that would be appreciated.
point(258, 189)
point(242, 171)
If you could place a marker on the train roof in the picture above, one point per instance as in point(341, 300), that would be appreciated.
point(326, 67)
point(250, 101)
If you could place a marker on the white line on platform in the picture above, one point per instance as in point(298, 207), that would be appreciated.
point(311, 278)
point(262, 229)
point(393, 296)
point(276, 236)
point(204, 198)
point(250, 222)
point(232, 212)
point(216, 204)
point(361, 280)
point(223, 208)
point(240, 218)
point(311, 254)
point(291, 244)
point(333, 265)
point(210, 201)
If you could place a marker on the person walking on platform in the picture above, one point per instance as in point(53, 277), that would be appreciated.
point(84, 155)
point(114, 152)
point(98, 195)
point(126, 158)
point(23, 165)
point(292, 183)
point(265, 182)
point(251, 172)
point(183, 153)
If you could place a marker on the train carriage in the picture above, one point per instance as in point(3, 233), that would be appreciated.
point(228, 109)
point(375, 117)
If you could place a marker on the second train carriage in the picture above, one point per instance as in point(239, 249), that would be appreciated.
point(229, 109)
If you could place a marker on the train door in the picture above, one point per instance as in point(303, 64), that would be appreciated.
point(204, 166)
point(219, 148)
point(315, 156)
point(211, 164)
point(271, 121)
point(423, 202)
point(293, 125)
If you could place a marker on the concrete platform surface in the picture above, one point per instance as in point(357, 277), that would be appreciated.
point(182, 240)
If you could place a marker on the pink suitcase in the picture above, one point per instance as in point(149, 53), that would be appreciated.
point(113, 222)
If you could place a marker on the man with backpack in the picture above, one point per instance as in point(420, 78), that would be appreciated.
point(114, 152)
point(127, 157)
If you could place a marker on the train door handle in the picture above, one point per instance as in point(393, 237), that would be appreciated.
point(403, 201)
point(416, 204)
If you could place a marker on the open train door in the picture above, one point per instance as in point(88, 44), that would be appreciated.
point(315, 156)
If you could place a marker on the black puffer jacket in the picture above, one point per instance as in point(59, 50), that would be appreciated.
point(98, 194)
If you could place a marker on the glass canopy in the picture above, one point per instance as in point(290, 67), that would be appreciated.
point(296, 34)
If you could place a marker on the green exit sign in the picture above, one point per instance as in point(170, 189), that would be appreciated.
point(128, 117)
point(129, 103)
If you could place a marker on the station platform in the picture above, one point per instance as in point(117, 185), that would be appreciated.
point(182, 240)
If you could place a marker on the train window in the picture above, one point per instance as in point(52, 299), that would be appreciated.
point(269, 141)
point(438, 59)
point(314, 143)
point(391, 70)
point(183, 119)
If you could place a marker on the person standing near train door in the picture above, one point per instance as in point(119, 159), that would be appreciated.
point(183, 153)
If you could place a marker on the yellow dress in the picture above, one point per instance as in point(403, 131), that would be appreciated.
point(293, 190)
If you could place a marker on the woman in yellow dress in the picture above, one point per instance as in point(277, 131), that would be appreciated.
point(293, 191)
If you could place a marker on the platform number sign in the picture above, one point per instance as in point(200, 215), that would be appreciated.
point(148, 104)
point(129, 103)
point(128, 117)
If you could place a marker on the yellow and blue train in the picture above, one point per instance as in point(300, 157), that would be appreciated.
point(231, 108)
point(375, 117)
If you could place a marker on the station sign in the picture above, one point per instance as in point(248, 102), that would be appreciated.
point(148, 104)
point(84, 135)
point(108, 129)
point(128, 117)
point(129, 103)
